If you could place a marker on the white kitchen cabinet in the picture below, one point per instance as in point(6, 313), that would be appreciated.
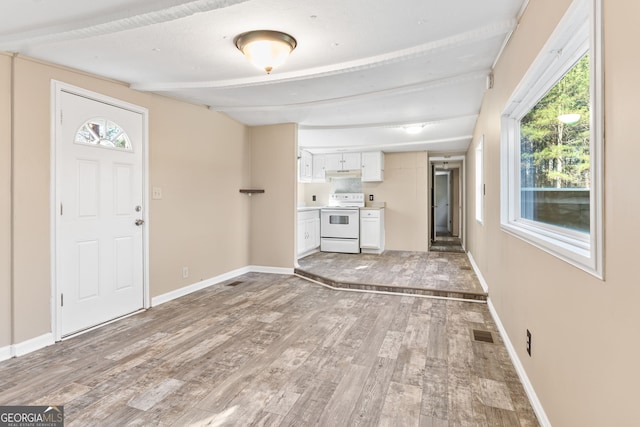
point(373, 166)
point(350, 161)
point(319, 166)
point(372, 231)
point(305, 166)
point(342, 161)
point(308, 239)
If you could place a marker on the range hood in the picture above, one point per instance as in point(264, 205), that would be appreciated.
point(344, 173)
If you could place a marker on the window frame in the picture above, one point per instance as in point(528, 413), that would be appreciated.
point(578, 32)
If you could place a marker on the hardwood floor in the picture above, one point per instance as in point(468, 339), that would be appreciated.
point(420, 273)
point(279, 351)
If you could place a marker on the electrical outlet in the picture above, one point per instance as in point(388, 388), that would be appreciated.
point(529, 342)
point(185, 272)
point(313, 198)
point(371, 197)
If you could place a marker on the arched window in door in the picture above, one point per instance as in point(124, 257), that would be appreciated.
point(103, 133)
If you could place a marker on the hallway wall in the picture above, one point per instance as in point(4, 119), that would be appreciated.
point(5, 200)
point(584, 358)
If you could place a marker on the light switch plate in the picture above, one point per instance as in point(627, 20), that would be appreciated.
point(156, 193)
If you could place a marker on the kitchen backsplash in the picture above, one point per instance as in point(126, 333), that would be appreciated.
point(346, 185)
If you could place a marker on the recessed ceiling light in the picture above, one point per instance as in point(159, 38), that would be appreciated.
point(413, 129)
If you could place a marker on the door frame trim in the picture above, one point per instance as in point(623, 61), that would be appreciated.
point(57, 87)
point(462, 196)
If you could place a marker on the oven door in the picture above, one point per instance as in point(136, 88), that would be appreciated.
point(340, 223)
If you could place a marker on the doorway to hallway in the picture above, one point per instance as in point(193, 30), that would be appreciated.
point(447, 195)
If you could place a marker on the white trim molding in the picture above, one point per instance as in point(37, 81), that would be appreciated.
point(57, 87)
point(476, 269)
point(28, 346)
point(169, 296)
point(177, 293)
point(517, 364)
point(522, 374)
point(270, 270)
point(579, 32)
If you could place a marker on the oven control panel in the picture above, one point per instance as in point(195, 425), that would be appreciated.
point(347, 200)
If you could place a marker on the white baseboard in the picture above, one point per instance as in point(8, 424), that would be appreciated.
point(33, 344)
point(528, 387)
point(5, 353)
point(270, 270)
point(483, 282)
point(169, 296)
point(522, 374)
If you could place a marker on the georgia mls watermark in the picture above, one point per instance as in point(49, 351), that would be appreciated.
point(31, 416)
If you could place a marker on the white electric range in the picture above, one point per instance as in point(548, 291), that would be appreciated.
point(340, 223)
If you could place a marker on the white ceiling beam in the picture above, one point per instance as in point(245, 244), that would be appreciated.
point(149, 14)
point(401, 90)
point(390, 125)
point(419, 51)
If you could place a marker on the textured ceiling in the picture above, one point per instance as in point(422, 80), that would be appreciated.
point(362, 69)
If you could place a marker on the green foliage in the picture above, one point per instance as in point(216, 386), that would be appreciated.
point(553, 153)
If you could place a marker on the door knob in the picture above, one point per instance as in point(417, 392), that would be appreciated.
point(139, 222)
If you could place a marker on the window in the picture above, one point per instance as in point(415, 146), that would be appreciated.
point(480, 181)
point(551, 143)
point(104, 133)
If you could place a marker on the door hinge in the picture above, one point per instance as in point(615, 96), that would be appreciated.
point(61, 116)
point(61, 300)
point(60, 208)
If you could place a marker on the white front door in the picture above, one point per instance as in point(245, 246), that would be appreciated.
point(99, 203)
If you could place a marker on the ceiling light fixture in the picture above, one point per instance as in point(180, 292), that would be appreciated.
point(413, 129)
point(266, 49)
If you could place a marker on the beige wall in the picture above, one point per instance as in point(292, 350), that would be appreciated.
point(273, 169)
point(5, 200)
point(405, 191)
point(200, 160)
point(198, 157)
point(31, 174)
point(584, 364)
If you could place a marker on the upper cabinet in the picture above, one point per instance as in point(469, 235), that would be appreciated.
point(319, 166)
point(370, 163)
point(373, 166)
point(342, 161)
point(305, 166)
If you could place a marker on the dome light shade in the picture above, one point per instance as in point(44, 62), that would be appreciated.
point(266, 49)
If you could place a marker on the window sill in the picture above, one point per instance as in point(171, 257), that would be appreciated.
point(576, 252)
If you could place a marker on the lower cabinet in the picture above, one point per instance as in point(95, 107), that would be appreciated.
point(372, 231)
point(308, 240)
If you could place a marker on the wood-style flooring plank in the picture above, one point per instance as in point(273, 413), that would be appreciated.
point(276, 350)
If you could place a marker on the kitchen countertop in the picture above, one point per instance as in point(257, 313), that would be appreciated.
point(371, 208)
point(374, 205)
point(308, 208)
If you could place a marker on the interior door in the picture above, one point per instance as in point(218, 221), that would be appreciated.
point(99, 197)
point(442, 197)
point(432, 196)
